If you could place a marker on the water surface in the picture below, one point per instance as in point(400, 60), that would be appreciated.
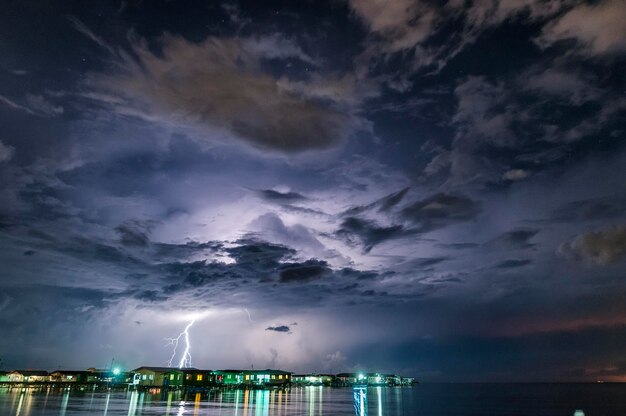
point(423, 400)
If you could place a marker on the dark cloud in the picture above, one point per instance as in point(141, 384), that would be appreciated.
point(367, 233)
point(133, 233)
point(304, 272)
point(280, 197)
point(372, 293)
point(358, 274)
point(177, 251)
point(590, 210)
point(440, 210)
point(201, 273)
point(513, 263)
point(426, 262)
point(392, 200)
point(437, 211)
point(280, 328)
point(259, 255)
point(460, 246)
point(515, 239)
point(384, 204)
point(94, 250)
point(150, 296)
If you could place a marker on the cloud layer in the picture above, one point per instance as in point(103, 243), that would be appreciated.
point(427, 189)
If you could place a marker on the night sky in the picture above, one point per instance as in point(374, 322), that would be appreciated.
point(432, 188)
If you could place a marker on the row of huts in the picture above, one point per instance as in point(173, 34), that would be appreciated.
point(89, 376)
point(169, 377)
point(352, 379)
point(193, 377)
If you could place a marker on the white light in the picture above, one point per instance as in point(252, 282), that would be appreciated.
point(185, 360)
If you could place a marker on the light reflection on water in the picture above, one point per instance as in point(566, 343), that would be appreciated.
point(423, 400)
point(311, 401)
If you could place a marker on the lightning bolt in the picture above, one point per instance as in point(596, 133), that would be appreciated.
point(185, 359)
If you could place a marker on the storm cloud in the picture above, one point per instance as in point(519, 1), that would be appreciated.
point(220, 84)
point(334, 164)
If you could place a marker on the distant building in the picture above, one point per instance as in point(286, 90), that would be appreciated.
point(158, 376)
point(228, 377)
point(346, 379)
point(407, 381)
point(69, 376)
point(198, 378)
point(393, 380)
point(28, 376)
point(375, 379)
point(313, 379)
point(266, 377)
point(298, 379)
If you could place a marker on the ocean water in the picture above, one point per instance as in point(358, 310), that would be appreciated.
point(423, 400)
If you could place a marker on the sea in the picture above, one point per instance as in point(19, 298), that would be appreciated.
point(474, 399)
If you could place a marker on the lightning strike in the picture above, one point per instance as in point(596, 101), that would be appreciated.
point(185, 359)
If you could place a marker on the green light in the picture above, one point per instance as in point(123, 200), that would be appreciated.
point(361, 376)
point(116, 371)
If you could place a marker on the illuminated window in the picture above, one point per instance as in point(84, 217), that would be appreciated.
point(143, 376)
point(151, 377)
point(280, 376)
point(171, 376)
point(247, 376)
point(199, 378)
point(273, 376)
point(286, 375)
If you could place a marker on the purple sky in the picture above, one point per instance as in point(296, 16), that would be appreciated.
point(433, 190)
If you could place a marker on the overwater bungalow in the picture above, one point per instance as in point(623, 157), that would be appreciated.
point(407, 381)
point(266, 377)
point(228, 377)
point(298, 379)
point(28, 376)
point(346, 379)
point(198, 378)
point(159, 376)
point(376, 379)
point(313, 379)
point(65, 376)
point(393, 380)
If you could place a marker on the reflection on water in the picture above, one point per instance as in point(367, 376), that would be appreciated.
point(360, 401)
point(424, 400)
point(306, 401)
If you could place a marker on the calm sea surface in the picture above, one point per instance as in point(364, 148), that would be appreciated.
point(422, 400)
